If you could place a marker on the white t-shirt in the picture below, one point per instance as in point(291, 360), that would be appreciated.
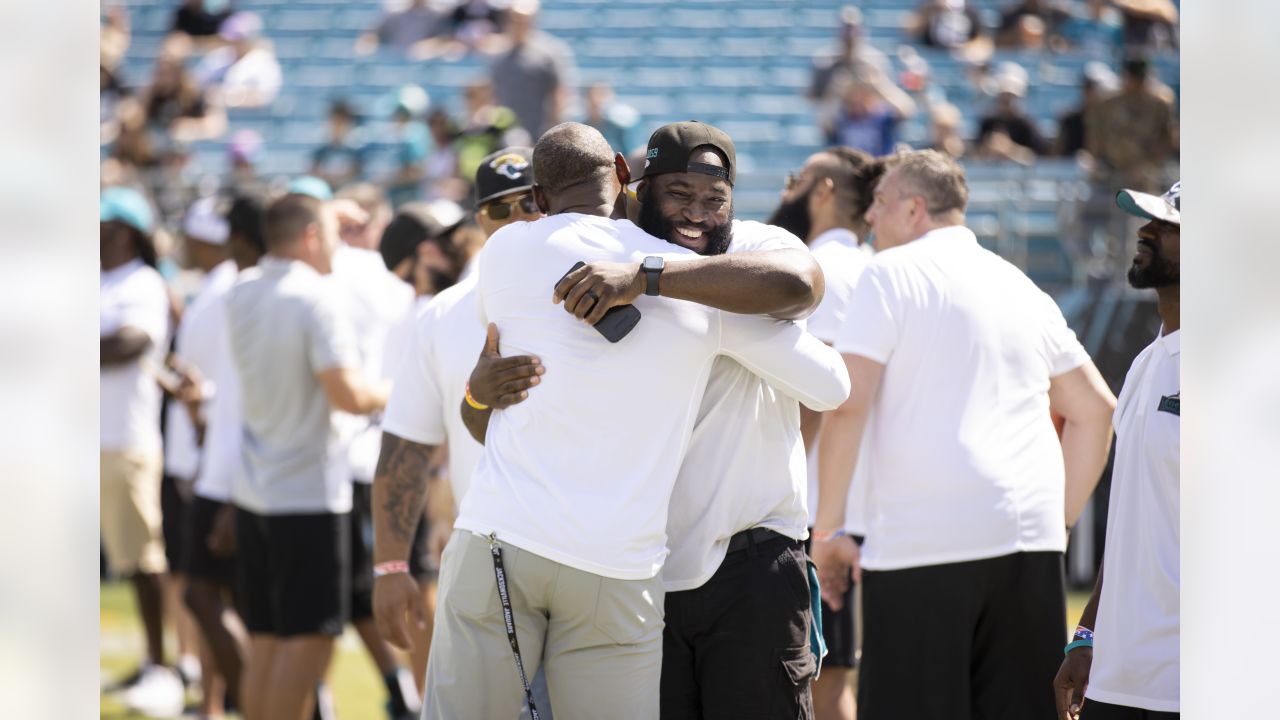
point(581, 472)
point(431, 380)
point(286, 325)
point(842, 261)
point(964, 463)
point(744, 467)
point(377, 302)
point(132, 295)
point(1135, 651)
point(201, 342)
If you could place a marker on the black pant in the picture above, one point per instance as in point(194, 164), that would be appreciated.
point(294, 572)
point(980, 639)
point(1094, 710)
point(738, 647)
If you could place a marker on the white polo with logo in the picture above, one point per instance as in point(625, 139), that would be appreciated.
point(1136, 641)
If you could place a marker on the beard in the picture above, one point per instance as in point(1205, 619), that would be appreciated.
point(1158, 273)
point(441, 280)
point(793, 216)
point(653, 222)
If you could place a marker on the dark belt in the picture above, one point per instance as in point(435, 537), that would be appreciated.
point(754, 536)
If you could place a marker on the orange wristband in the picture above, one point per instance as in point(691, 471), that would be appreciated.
point(475, 404)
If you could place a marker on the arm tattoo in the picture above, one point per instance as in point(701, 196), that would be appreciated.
point(402, 471)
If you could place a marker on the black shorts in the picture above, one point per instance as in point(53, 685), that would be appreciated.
point(197, 560)
point(738, 647)
point(294, 572)
point(420, 565)
point(1094, 710)
point(173, 515)
point(974, 639)
point(838, 629)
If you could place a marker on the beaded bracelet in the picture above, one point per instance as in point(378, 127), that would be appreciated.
point(391, 567)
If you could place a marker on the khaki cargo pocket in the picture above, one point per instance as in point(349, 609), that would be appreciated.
point(629, 611)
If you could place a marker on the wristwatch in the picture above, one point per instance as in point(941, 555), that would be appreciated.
point(652, 268)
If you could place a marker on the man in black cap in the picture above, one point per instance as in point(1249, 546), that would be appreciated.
point(738, 618)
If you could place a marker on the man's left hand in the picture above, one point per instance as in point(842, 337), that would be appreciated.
point(837, 561)
point(591, 290)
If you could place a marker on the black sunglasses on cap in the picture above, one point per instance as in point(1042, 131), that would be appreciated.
point(501, 210)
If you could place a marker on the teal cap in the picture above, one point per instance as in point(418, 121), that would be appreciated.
point(313, 186)
point(127, 206)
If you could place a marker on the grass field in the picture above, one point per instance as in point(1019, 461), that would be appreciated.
point(358, 691)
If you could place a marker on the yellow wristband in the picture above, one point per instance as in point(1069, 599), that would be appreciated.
point(472, 401)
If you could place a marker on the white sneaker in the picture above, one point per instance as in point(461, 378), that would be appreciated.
point(189, 670)
point(158, 693)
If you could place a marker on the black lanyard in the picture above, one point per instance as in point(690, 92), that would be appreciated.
point(509, 618)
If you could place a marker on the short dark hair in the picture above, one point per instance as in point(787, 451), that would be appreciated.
point(854, 174)
point(287, 218)
point(570, 154)
point(245, 219)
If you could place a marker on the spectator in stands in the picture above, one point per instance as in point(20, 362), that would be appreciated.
point(945, 126)
point(475, 24)
point(134, 332)
point(868, 117)
point(341, 159)
point(244, 152)
point(403, 30)
point(114, 42)
point(945, 24)
point(1029, 34)
point(177, 109)
point(1096, 29)
point(1131, 134)
point(442, 161)
point(412, 143)
point(855, 60)
point(535, 77)
point(246, 70)
point(488, 127)
point(200, 19)
point(1097, 83)
point(1149, 25)
point(615, 120)
point(1048, 12)
point(1009, 133)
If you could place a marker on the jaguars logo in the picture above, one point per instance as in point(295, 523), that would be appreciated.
point(511, 166)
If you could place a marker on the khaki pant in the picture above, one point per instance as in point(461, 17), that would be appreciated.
point(130, 511)
point(598, 639)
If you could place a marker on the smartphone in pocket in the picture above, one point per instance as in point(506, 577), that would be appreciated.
point(617, 321)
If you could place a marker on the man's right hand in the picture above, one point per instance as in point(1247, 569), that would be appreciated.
point(502, 382)
point(395, 598)
point(1070, 683)
point(837, 560)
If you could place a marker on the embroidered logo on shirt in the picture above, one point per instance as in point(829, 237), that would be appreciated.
point(1170, 403)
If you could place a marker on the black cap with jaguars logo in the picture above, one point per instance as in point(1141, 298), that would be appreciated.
point(671, 145)
point(507, 171)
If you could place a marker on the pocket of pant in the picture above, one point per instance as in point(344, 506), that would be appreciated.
point(628, 611)
point(794, 572)
point(470, 588)
point(797, 664)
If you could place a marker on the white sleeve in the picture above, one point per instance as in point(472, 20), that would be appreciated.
point(1063, 350)
point(331, 338)
point(871, 325)
point(790, 359)
point(146, 308)
point(415, 410)
point(749, 236)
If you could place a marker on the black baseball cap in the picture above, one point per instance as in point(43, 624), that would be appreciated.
point(670, 147)
point(507, 171)
point(414, 224)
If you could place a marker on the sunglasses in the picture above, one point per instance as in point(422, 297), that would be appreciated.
point(499, 210)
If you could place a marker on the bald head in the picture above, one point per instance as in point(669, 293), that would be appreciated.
point(574, 164)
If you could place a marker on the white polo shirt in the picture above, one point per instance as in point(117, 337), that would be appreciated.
point(132, 295)
point(964, 463)
point(202, 342)
point(581, 472)
point(1136, 647)
point(286, 325)
point(432, 377)
point(377, 302)
point(745, 464)
point(842, 261)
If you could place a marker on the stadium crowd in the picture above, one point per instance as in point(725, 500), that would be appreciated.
point(307, 424)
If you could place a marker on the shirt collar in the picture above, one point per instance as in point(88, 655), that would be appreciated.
point(835, 235)
point(119, 273)
point(949, 233)
point(1172, 343)
point(276, 265)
